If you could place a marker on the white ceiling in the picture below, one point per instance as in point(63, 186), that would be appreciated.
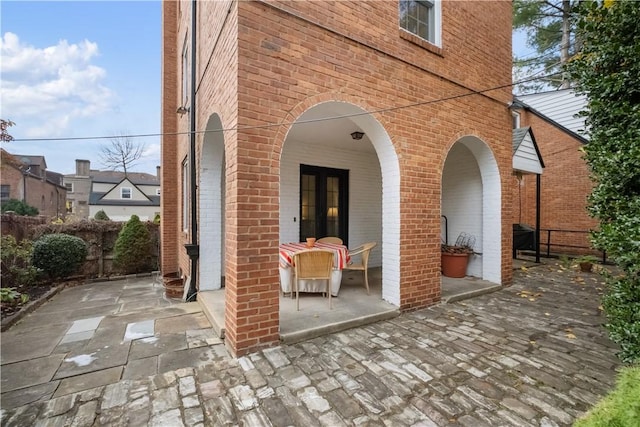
point(318, 126)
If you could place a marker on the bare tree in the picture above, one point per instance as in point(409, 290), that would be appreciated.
point(122, 153)
point(4, 126)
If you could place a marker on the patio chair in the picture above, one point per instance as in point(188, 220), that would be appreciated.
point(330, 239)
point(363, 251)
point(312, 265)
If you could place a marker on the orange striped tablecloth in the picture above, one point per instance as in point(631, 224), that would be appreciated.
point(341, 258)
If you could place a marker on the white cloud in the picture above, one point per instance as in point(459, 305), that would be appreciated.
point(46, 90)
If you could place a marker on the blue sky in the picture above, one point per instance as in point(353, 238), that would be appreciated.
point(86, 68)
point(77, 69)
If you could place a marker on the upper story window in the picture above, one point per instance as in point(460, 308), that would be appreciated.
point(422, 18)
point(125, 193)
point(69, 186)
point(515, 117)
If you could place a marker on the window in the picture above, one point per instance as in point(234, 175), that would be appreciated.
point(5, 193)
point(185, 195)
point(69, 186)
point(422, 18)
point(515, 120)
point(185, 72)
point(125, 193)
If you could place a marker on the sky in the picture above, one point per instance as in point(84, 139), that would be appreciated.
point(77, 69)
point(81, 69)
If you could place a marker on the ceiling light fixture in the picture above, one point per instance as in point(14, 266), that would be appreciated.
point(357, 135)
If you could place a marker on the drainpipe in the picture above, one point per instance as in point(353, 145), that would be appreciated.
point(193, 249)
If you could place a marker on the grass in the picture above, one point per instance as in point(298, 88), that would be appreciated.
point(621, 407)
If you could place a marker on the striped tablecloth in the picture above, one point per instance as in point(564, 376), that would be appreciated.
point(341, 258)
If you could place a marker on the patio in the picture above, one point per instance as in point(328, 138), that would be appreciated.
point(352, 308)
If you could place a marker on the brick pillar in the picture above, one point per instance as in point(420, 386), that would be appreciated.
point(252, 279)
point(169, 199)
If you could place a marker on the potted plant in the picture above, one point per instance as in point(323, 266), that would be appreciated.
point(454, 258)
point(586, 262)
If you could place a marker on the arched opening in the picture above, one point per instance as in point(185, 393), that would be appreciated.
point(321, 138)
point(211, 206)
point(471, 202)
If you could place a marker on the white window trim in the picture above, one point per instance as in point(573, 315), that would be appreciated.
point(185, 72)
point(437, 20)
point(69, 184)
point(122, 189)
point(516, 119)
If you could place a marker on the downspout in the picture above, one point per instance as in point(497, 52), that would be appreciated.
point(193, 248)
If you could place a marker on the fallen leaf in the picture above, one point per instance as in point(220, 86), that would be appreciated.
point(523, 268)
point(571, 336)
point(547, 314)
point(532, 299)
point(601, 308)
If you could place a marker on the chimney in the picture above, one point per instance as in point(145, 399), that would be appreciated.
point(82, 167)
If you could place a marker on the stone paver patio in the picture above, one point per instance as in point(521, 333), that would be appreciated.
point(534, 354)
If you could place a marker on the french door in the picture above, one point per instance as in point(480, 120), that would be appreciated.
point(324, 196)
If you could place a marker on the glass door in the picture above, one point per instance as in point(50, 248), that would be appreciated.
point(323, 202)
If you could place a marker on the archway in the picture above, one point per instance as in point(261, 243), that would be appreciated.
point(211, 206)
point(321, 136)
point(472, 203)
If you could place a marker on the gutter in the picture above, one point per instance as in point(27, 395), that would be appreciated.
point(193, 249)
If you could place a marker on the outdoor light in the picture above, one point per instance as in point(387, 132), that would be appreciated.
point(357, 135)
point(182, 110)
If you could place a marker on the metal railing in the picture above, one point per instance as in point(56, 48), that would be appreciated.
point(549, 243)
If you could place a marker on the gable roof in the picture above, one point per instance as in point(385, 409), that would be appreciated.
point(113, 190)
point(560, 108)
point(526, 155)
point(115, 177)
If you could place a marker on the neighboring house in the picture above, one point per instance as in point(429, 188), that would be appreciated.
point(565, 183)
point(26, 178)
point(117, 194)
point(365, 120)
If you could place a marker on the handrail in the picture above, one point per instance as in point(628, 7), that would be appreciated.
point(549, 244)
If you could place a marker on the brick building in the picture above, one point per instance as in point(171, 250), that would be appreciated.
point(26, 178)
point(274, 91)
point(565, 183)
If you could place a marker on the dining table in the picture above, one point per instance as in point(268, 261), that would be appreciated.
point(341, 259)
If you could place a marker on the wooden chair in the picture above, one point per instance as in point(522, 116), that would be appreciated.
point(330, 239)
point(312, 265)
point(364, 251)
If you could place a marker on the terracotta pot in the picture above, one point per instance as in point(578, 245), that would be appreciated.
point(173, 285)
point(586, 267)
point(454, 265)
point(311, 241)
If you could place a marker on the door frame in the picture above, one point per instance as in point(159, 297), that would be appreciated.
point(343, 201)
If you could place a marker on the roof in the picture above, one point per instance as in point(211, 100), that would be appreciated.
point(96, 199)
point(31, 160)
point(561, 107)
point(526, 155)
point(114, 177)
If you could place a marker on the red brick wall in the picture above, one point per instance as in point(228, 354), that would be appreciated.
point(565, 185)
point(269, 65)
point(48, 198)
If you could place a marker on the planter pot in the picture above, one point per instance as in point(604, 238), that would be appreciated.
point(454, 265)
point(586, 267)
point(173, 285)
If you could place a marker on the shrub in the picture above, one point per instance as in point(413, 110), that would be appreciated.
point(16, 262)
point(101, 216)
point(59, 255)
point(622, 305)
point(133, 249)
point(621, 407)
point(19, 207)
point(12, 296)
point(156, 219)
